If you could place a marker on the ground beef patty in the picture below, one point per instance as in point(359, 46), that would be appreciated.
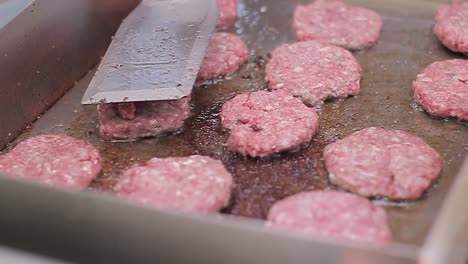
point(451, 26)
point(313, 71)
point(442, 88)
point(195, 184)
point(337, 23)
point(141, 119)
point(56, 160)
point(263, 123)
point(332, 214)
point(227, 12)
point(382, 162)
point(225, 54)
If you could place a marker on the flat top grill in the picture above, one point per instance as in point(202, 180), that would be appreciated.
point(406, 46)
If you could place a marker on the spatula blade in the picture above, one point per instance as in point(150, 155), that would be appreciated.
point(156, 53)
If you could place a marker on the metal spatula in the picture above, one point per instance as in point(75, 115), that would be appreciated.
point(156, 53)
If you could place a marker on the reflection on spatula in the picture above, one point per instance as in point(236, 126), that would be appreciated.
point(156, 53)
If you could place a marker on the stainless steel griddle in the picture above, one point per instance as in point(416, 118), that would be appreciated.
point(118, 230)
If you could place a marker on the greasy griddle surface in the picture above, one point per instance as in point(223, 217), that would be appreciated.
point(406, 46)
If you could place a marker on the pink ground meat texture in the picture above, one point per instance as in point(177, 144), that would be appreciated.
point(142, 119)
point(442, 88)
point(127, 110)
point(337, 23)
point(313, 71)
point(190, 184)
point(263, 123)
point(451, 26)
point(227, 12)
point(225, 54)
point(382, 162)
point(55, 160)
point(332, 214)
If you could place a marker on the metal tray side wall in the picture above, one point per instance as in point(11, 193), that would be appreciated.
point(47, 48)
point(90, 228)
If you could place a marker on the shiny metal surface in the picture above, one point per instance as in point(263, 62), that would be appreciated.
point(9, 255)
point(156, 53)
point(9, 9)
point(87, 227)
point(45, 49)
point(449, 233)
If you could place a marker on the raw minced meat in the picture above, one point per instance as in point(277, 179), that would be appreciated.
point(442, 88)
point(142, 119)
point(451, 26)
point(337, 23)
point(263, 123)
point(225, 54)
point(332, 214)
point(382, 162)
point(193, 184)
point(313, 71)
point(53, 159)
point(227, 10)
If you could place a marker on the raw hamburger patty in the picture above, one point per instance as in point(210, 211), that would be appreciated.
point(56, 160)
point(142, 119)
point(382, 162)
point(451, 26)
point(263, 123)
point(337, 23)
point(225, 54)
point(332, 214)
point(313, 71)
point(442, 88)
point(227, 12)
point(195, 184)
